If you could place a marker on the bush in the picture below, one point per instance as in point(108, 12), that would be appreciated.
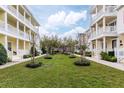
point(27, 56)
point(82, 62)
point(33, 65)
point(88, 53)
point(3, 55)
point(107, 57)
point(72, 56)
point(36, 52)
point(47, 57)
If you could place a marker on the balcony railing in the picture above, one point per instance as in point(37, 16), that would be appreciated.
point(108, 9)
point(12, 9)
point(23, 52)
point(21, 33)
point(2, 25)
point(12, 30)
point(108, 30)
point(27, 36)
point(21, 16)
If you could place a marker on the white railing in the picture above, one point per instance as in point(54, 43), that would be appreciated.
point(12, 30)
point(12, 9)
point(21, 33)
point(97, 15)
point(110, 28)
point(23, 52)
point(108, 9)
point(2, 25)
point(27, 36)
point(21, 16)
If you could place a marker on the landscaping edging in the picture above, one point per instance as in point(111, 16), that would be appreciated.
point(17, 62)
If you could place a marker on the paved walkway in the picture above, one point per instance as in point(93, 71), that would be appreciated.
point(119, 66)
point(16, 62)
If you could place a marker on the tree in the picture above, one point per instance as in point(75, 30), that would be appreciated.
point(83, 49)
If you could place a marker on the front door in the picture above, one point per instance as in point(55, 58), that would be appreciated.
point(114, 44)
point(9, 46)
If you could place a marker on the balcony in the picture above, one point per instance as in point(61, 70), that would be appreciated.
point(109, 31)
point(12, 30)
point(108, 10)
point(27, 36)
point(14, 12)
point(21, 16)
point(21, 34)
point(12, 9)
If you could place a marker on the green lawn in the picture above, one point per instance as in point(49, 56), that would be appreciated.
point(61, 72)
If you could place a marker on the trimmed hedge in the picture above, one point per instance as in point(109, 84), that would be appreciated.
point(72, 56)
point(82, 62)
point(47, 57)
point(105, 56)
point(33, 65)
point(88, 53)
point(3, 55)
point(27, 56)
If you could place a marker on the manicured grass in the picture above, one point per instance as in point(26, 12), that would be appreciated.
point(61, 72)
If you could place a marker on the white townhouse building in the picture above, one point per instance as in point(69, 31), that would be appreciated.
point(103, 29)
point(17, 28)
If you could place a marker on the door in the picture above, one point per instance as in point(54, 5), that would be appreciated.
point(9, 46)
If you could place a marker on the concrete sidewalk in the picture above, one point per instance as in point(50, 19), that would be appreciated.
point(119, 66)
point(16, 62)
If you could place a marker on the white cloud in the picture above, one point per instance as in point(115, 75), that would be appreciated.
point(43, 31)
point(74, 17)
point(61, 18)
point(56, 19)
point(73, 33)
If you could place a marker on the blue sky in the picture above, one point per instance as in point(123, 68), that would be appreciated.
point(63, 20)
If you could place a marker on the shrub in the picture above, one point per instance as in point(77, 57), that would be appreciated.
point(36, 52)
point(82, 62)
point(26, 56)
point(107, 57)
point(33, 65)
point(88, 53)
point(47, 57)
point(72, 56)
point(3, 55)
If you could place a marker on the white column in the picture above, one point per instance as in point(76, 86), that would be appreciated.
point(24, 16)
point(30, 34)
point(24, 45)
point(117, 50)
point(104, 44)
point(104, 24)
point(6, 43)
point(96, 48)
point(17, 10)
point(104, 6)
point(96, 28)
point(17, 46)
point(18, 27)
point(6, 28)
point(96, 10)
point(6, 24)
point(24, 31)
